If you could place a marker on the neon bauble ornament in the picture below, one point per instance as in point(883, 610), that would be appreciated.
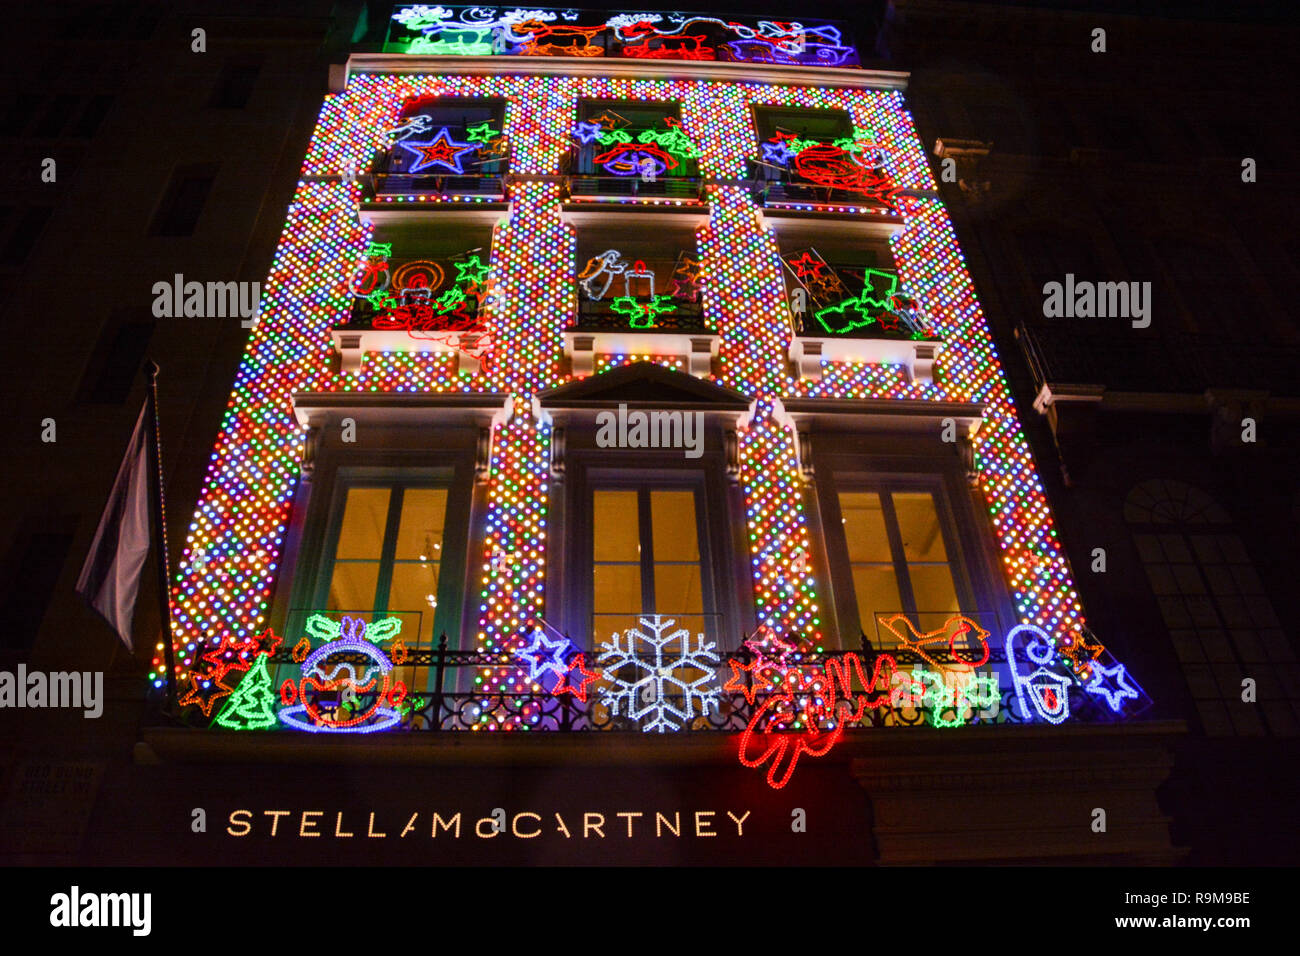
point(346, 682)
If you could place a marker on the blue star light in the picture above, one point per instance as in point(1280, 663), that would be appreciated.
point(777, 153)
point(543, 656)
point(587, 132)
point(1113, 694)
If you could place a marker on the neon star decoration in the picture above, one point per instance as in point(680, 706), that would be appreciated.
point(575, 678)
point(482, 133)
point(586, 132)
point(544, 656)
point(442, 151)
point(1112, 684)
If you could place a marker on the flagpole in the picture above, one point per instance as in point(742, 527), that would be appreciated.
point(160, 533)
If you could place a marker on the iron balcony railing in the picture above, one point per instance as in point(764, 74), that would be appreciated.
point(599, 316)
point(615, 188)
point(1109, 352)
point(446, 690)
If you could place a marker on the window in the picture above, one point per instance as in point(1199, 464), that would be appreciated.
point(24, 235)
point(631, 148)
point(1221, 622)
point(183, 203)
point(235, 84)
point(646, 557)
point(896, 553)
point(638, 280)
point(447, 144)
point(387, 556)
point(821, 125)
point(111, 374)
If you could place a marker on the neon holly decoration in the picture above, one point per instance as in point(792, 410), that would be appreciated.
point(653, 685)
point(442, 151)
point(642, 315)
point(333, 690)
point(252, 706)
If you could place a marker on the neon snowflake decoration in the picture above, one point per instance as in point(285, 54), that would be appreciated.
point(653, 685)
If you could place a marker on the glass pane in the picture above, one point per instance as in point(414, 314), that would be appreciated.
point(672, 516)
point(352, 587)
point(918, 525)
point(415, 591)
point(677, 589)
point(424, 516)
point(933, 588)
point(864, 526)
point(615, 528)
point(364, 517)
point(876, 588)
point(616, 588)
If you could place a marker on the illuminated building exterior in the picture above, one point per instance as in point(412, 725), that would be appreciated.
point(620, 405)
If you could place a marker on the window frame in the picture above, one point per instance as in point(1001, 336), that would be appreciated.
point(728, 607)
point(973, 554)
point(313, 535)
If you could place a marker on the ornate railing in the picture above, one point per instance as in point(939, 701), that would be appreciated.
point(443, 696)
point(1109, 352)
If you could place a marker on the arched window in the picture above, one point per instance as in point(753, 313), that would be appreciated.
point(1222, 623)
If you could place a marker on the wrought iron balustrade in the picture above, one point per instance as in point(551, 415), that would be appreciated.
point(444, 689)
point(599, 316)
point(615, 188)
point(1109, 352)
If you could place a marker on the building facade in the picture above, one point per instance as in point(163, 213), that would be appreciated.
point(621, 466)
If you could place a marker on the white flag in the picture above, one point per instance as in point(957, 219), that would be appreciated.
point(110, 578)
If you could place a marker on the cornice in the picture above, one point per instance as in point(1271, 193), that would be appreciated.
point(754, 73)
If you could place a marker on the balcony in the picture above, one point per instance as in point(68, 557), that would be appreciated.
point(630, 189)
point(650, 307)
point(415, 305)
point(636, 687)
point(848, 314)
point(1120, 359)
